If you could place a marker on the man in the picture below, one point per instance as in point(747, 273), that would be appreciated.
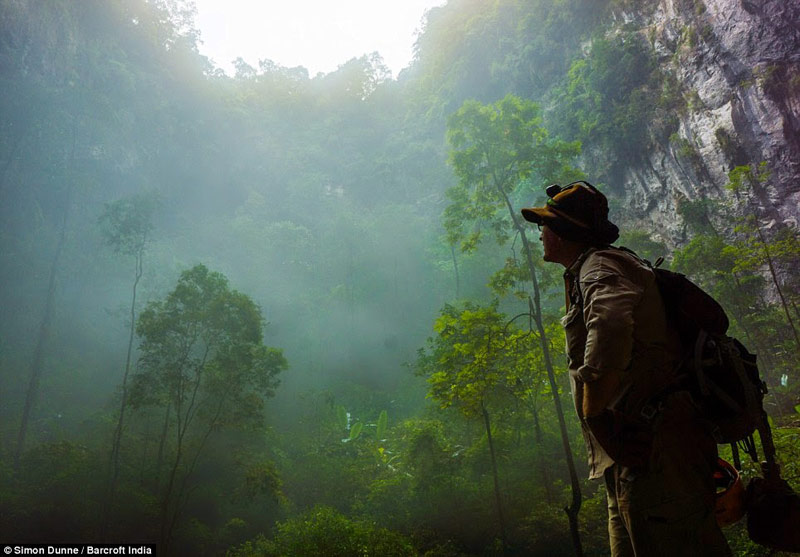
point(643, 433)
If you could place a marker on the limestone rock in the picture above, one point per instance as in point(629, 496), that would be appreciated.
point(739, 63)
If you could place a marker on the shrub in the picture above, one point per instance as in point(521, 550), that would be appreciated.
point(324, 532)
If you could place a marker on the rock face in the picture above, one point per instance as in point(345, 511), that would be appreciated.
point(738, 62)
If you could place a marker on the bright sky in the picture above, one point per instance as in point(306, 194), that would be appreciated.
point(317, 34)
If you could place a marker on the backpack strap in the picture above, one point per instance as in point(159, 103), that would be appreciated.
point(577, 279)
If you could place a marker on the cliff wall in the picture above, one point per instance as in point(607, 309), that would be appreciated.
point(738, 62)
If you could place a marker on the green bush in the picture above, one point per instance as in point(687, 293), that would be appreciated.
point(325, 532)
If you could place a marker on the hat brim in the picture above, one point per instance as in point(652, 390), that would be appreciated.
point(538, 215)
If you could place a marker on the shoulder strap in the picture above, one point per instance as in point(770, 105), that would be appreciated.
point(655, 265)
point(581, 259)
point(593, 249)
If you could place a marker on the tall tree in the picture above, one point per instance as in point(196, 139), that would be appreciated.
point(498, 150)
point(126, 225)
point(202, 357)
point(756, 250)
point(37, 362)
point(476, 359)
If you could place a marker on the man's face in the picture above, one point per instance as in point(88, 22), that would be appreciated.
point(551, 243)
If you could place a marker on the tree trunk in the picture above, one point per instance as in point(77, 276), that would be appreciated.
point(167, 500)
point(184, 420)
point(166, 518)
point(498, 498)
point(147, 438)
point(455, 270)
point(777, 284)
point(536, 309)
point(175, 497)
point(44, 328)
point(767, 365)
point(537, 427)
point(161, 443)
point(117, 439)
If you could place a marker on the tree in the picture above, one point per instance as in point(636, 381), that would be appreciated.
point(203, 359)
point(466, 366)
point(37, 363)
point(755, 250)
point(498, 150)
point(126, 225)
point(641, 242)
point(481, 362)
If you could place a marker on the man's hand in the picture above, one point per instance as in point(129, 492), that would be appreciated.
point(598, 394)
point(628, 442)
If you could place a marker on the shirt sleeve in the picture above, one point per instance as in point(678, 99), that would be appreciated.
point(609, 299)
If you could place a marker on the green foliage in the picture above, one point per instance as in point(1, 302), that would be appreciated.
point(477, 355)
point(709, 261)
point(497, 150)
point(744, 178)
point(325, 532)
point(546, 532)
point(434, 476)
point(739, 271)
point(610, 97)
point(710, 249)
point(380, 428)
point(484, 50)
point(262, 478)
point(203, 360)
point(643, 244)
point(205, 339)
point(687, 151)
point(697, 214)
point(126, 223)
point(507, 278)
point(53, 492)
point(257, 547)
point(355, 431)
point(764, 245)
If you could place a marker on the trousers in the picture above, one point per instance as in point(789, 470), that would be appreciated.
point(667, 508)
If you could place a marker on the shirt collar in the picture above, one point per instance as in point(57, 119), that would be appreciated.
point(575, 267)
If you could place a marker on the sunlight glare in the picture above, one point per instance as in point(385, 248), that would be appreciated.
point(317, 34)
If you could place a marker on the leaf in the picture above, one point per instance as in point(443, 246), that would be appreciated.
point(383, 420)
point(797, 408)
point(355, 431)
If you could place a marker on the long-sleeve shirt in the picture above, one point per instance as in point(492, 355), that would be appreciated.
point(619, 349)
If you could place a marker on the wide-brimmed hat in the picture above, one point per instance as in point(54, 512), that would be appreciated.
point(577, 211)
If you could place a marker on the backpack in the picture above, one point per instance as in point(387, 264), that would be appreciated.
point(723, 377)
point(718, 370)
